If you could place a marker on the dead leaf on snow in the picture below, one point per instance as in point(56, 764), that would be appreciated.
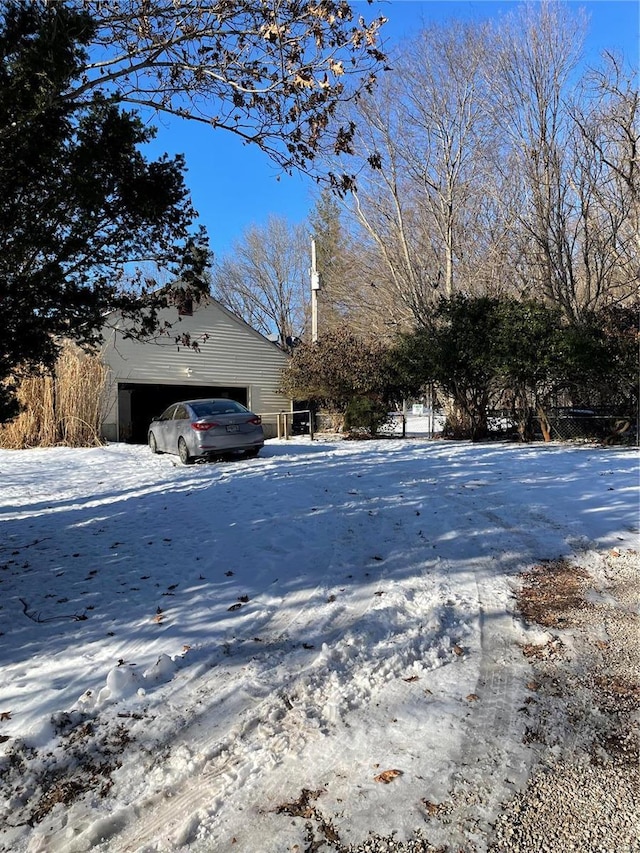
point(4, 738)
point(387, 776)
point(5, 715)
point(158, 618)
point(302, 806)
point(458, 650)
point(432, 808)
point(235, 606)
point(472, 697)
point(533, 685)
point(412, 678)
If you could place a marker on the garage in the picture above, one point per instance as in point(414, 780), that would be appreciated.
point(227, 358)
point(139, 404)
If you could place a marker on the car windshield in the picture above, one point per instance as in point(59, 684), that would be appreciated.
point(217, 407)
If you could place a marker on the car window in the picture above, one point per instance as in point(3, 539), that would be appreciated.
point(180, 414)
point(166, 415)
point(217, 407)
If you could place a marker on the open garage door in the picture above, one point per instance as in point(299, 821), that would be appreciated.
point(139, 404)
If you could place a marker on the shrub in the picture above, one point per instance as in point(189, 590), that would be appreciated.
point(366, 416)
point(338, 369)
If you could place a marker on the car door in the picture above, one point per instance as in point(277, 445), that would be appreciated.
point(164, 429)
point(180, 422)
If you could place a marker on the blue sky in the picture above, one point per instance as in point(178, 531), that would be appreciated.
point(234, 186)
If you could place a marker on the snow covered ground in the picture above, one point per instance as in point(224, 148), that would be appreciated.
point(236, 656)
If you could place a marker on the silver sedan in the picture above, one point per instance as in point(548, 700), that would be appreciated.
point(206, 429)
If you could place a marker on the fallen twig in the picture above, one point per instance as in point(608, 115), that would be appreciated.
point(23, 547)
point(35, 617)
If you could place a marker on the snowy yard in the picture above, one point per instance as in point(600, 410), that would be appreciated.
point(216, 658)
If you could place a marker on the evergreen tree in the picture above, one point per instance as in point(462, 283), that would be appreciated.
point(79, 204)
point(333, 260)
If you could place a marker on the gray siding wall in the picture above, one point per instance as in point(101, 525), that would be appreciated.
point(231, 354)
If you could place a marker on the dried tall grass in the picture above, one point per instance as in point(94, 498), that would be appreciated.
point(60, 409)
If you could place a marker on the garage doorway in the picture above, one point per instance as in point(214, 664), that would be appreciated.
point(139, 404)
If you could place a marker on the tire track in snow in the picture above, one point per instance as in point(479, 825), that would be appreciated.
point(263, 728)
point(496, 720)
point(266, 728)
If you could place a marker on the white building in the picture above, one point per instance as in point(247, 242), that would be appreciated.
point(232, 360)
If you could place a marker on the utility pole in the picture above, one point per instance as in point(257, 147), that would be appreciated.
point(315, 287)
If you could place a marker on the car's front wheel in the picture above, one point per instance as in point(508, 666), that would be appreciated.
point(183, 452)
point(153, 444)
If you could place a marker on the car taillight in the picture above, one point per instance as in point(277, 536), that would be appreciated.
point(202, 426)
point(257, 420)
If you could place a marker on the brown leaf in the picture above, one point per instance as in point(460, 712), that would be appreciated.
point(235, 606)
point(5, 715)
point(387, 776)
point(302, 82)
point(458, 650)
point(533, 685)
point(472, 697)
point(412, 678)
point(432, 808)
point(158, 618)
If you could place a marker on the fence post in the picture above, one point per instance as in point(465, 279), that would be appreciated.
point(310, 425)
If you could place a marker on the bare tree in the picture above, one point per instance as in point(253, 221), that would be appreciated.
point(265, 279)
point(607, 146)
point(420, 188)
point(491, 163)
point(385, 206)
point(533, 57)
point(272, 73)
point(445, 128)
